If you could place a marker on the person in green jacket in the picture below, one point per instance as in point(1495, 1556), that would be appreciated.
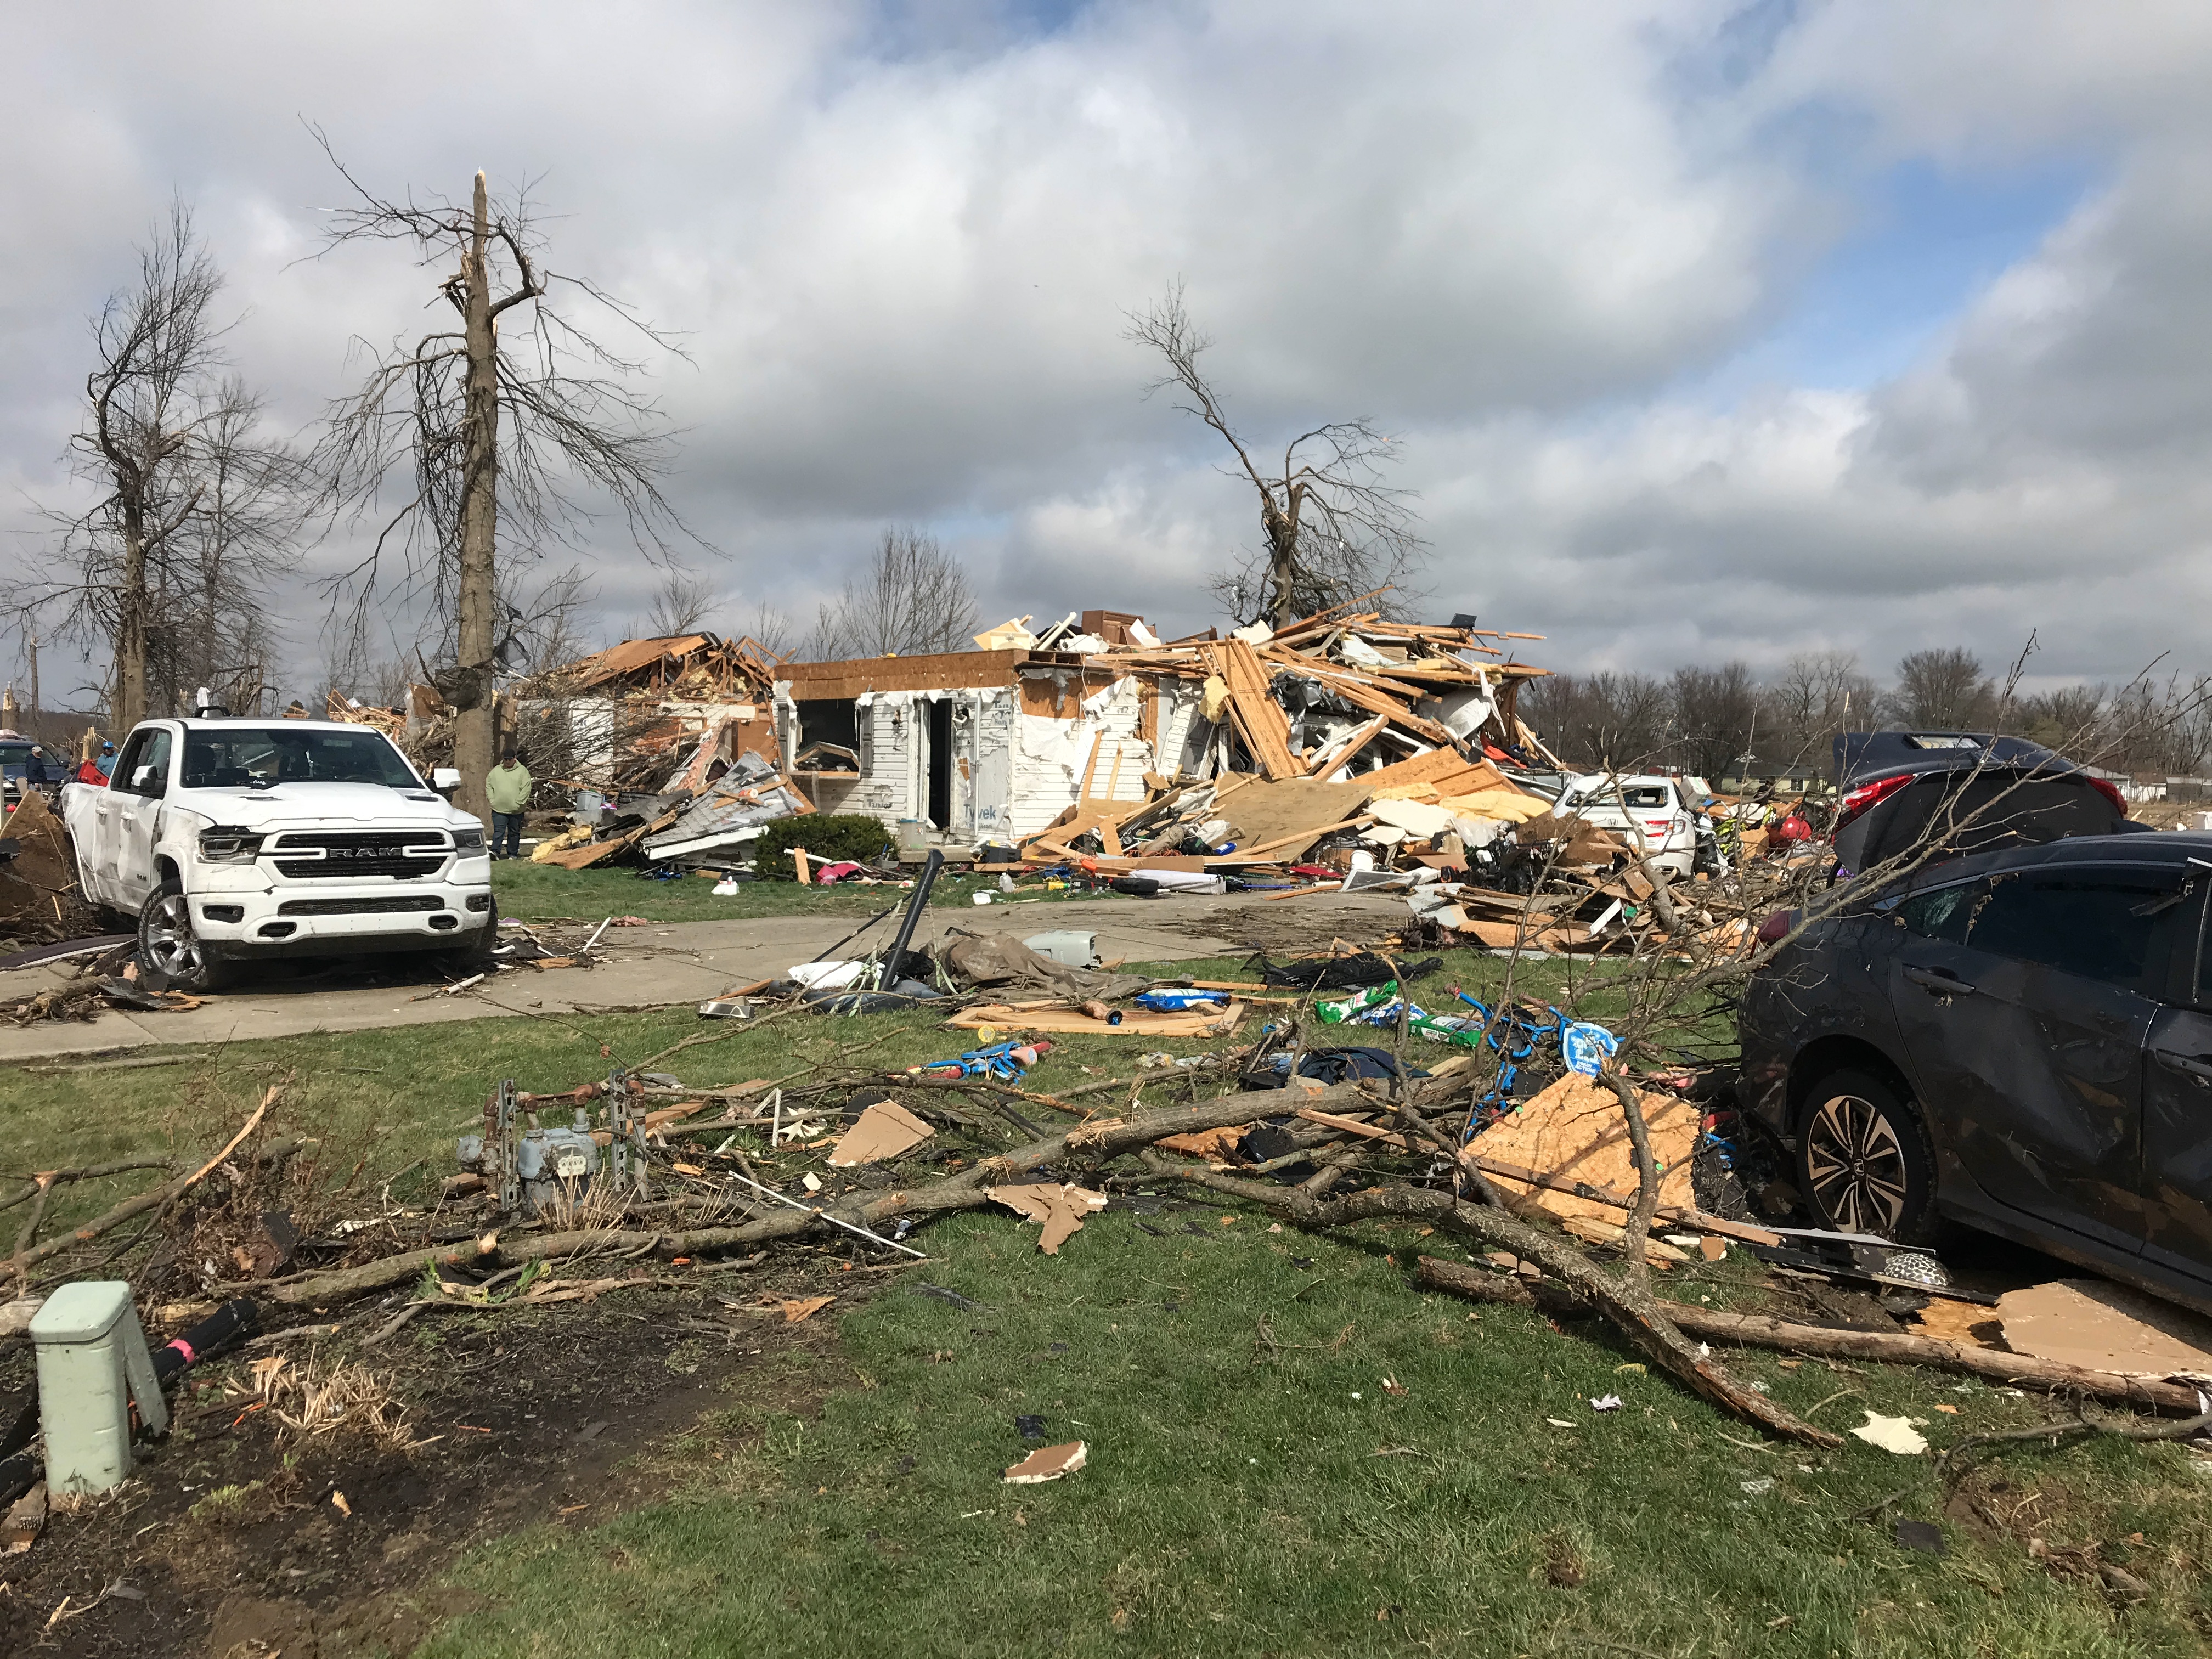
point(507, 791)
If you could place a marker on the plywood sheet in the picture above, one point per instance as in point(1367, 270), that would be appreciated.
point(1574, 1131)
point(1264, 813)
point(1135, 1022)
point(2090, 1322)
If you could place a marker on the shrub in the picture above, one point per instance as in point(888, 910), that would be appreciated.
point(828, 837)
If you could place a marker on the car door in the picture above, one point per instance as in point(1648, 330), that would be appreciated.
point(2024, 999)
point(108, 800)
point(143, 774)
point(2177, 1134)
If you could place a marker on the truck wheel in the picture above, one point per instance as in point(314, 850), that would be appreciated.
point(167, 943)
point(476, 956)
point(1864, 1159)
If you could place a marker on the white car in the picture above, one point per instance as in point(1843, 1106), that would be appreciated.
point(1647, 811)
point(229, 840)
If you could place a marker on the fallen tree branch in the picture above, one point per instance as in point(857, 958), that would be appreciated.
point(1647, 1178)
point(1763, 1331)
point(45, 1179)
point(1097, 1140)
point(23, 1261)
point(1640, 1318)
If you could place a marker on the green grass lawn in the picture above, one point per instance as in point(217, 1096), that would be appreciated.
point(1256, 1486)
point(545, 892)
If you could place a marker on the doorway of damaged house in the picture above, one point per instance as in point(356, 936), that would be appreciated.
point(939, 753)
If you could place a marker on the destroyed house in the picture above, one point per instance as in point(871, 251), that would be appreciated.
point(652, 714)
point(978, 746)
point(997, 746)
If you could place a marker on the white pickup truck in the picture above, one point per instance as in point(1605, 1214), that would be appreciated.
point(229, 840)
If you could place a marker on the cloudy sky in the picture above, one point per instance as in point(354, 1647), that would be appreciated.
point(1711, 329)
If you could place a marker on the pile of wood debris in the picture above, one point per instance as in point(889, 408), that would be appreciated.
point(1354, 754)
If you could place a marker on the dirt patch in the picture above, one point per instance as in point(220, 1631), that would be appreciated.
point(1294, 926)
point(239, 1537)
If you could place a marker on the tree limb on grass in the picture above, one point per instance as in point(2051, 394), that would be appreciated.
point(23, 1261)
point(1628, 1306)
point(1097, 1140)
point(1763, 1331)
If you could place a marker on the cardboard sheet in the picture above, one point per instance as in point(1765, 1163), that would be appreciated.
point(1060, 1206)
point(2091, 1323)
point(1573, 1131)
point(884, 1130)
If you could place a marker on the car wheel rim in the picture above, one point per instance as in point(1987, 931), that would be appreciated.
point(167, 939)
point(1856, 1166)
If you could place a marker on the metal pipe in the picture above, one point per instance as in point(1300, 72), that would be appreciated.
point(922, 883)
point(850, 1227)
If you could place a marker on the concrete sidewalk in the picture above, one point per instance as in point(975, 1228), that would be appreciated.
point(672, 963)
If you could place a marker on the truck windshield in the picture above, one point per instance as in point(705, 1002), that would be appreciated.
point(246, 757)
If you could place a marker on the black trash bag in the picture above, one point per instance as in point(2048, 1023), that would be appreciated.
point(1344, 973)
point(1328, 1066)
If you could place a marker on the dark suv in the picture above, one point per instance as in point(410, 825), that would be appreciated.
point(1960, 792)
point(2021, 1040)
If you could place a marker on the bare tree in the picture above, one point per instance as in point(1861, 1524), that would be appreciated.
point(1332, 529)
point(683, 601)
point(1817, 695)
point(912, 598)
point(197, 508)
point(1601, 722)
point(548, 630)
point(517, 422)
point(1715, 715)
point(1943, 691)
point(212, 628)
point(773, 631)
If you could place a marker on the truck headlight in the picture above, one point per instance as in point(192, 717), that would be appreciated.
point(468, 841)
point(229, 844)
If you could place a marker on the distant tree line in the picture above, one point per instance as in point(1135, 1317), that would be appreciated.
point(1705, 720)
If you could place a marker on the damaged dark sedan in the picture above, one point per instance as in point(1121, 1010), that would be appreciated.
point(2018, 1038)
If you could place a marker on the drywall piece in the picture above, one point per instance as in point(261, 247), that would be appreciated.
point(2090, 1322)
point(1413, 816)
point(1892, 1434)
point(884, 1130)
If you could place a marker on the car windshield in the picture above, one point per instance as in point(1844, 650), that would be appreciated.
point(257, 757)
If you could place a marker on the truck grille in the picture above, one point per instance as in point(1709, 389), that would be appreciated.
point(325, 854)
point(363, 906)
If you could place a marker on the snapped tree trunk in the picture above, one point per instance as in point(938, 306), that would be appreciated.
point(130, 625)
point(1281, 528)
point(474, 619)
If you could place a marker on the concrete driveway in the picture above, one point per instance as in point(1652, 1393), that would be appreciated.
point(670, 964)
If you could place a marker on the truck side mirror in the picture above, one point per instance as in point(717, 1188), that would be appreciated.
point(146, 780)
point(446, 780)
